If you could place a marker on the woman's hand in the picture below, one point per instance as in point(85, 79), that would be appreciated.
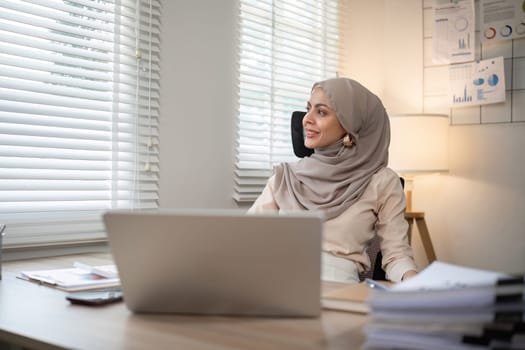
point(408, 274)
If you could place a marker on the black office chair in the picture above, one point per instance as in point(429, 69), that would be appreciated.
point(376, 271)
point(298, 136)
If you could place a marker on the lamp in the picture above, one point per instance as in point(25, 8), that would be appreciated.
point(419, 145)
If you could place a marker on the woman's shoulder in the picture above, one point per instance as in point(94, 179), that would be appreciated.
point(386, 183)
point(385, 175)
point(386, 180)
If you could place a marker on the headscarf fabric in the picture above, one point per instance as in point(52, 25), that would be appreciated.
point(334, 177)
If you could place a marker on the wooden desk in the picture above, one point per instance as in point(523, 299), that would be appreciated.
point(39, 317)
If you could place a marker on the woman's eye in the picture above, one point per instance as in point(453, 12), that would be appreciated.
point(321, 112)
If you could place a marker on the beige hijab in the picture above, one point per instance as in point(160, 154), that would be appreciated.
point(334, 177)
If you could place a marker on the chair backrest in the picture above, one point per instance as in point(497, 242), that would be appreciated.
point(298, 136)
point(376, 271)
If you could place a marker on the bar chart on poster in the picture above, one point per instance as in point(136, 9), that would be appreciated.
point(488, 88)
point(477, 83)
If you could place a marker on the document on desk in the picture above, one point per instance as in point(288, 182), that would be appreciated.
point(79, 277)
point(447, 285)
point(447, 306)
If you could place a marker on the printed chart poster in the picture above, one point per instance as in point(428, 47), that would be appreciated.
point(477, 83)
point(453, 38)
point(502, 19)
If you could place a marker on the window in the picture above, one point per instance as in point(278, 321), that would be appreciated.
point(79, 105)
point(284, 47)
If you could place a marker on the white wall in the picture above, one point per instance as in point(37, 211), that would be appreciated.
point(482, 204)
point(364, 44)
point(198, 97)
point(384, 53)
point(403, 58)
point(475, 213)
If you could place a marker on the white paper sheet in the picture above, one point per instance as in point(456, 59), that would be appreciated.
point(440, 275)
point(502, 19)
point(453, 36)
point(477, 83)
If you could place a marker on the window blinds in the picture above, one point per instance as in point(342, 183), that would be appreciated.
point(284, 47)
point(79, 109)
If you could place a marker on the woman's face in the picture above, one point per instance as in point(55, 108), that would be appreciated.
point(320, 124)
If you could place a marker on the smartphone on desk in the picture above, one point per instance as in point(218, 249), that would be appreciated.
point(95, 297)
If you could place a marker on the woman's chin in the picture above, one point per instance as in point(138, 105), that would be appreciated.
point(309, 145)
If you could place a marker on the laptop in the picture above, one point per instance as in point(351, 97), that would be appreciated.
point(219, 262)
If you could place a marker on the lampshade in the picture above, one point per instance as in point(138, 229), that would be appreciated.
point(419, 143)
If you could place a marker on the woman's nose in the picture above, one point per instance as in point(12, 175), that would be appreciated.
point(307, 119)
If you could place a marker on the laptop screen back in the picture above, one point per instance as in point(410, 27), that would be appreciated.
point(218, 262)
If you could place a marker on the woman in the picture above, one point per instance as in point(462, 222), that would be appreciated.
point(346, 178)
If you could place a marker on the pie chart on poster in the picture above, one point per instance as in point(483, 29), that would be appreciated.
point(478, 81)
point(490, 33)
point(505, 31)
point(493, 80)
point(461, 24)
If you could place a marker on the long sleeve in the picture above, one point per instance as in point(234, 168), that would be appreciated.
point(265, 201)
point(380, 210)
point(392, 228)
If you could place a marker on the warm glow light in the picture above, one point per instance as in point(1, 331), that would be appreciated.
point(419, 143)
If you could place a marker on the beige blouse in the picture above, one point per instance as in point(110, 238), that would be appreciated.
point(380, 210)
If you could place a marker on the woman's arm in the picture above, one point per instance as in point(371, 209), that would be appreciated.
point(392, 228)
point(265, 201)
point(408, 274)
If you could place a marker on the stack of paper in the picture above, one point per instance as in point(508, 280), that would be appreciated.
point(79, 277)
point(449, 307)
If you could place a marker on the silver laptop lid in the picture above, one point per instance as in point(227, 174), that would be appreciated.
point(218, 262)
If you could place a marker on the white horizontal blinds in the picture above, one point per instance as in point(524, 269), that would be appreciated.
point(284, 46)
point(79, 107)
